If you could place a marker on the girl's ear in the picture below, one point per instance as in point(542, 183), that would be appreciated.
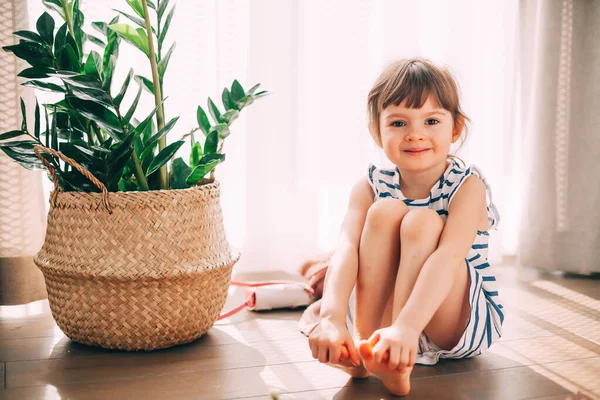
point(459, 125)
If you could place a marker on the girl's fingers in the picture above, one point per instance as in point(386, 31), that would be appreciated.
point(353, 352)
point(394, 357)
point(334, 353)
point(323, 354)
point(374, 339)
point(412, 358)
point(314, 350)
point(404, 356)
point(378, 351)
point(344, 352)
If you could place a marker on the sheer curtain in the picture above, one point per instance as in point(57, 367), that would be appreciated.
point(294, 155)
point(560, 56)
point(22, 220)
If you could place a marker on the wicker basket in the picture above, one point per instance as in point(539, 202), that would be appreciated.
point(135, 270)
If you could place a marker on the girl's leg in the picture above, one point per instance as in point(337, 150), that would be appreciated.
point(379, 254)
point(419, 237)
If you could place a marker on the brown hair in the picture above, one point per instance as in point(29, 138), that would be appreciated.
point(414, 80)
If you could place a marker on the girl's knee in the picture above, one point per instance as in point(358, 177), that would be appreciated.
point(420, 224)
point(386, 212)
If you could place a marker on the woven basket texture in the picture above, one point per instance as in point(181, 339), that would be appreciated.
point(151, 274)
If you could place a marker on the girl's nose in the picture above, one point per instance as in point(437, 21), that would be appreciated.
point(414, 135)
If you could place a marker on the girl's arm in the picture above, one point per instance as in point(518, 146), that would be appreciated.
point(343, 268)
point(437, 275)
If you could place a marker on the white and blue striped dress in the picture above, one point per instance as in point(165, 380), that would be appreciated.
point(487, 314)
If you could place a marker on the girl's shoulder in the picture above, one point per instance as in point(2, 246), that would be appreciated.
point(457, 176)
point(383, 181)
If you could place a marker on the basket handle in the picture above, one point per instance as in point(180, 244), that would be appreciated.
point(38, 147)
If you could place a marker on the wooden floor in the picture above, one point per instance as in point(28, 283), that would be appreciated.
point(550, 350)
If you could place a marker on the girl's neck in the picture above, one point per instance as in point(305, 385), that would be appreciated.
point(418, 184)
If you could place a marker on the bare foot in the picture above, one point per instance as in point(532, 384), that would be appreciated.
point(347, 366)
point(352, 370)
point(396, 381)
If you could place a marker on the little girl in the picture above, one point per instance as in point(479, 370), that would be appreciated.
point(410, 277)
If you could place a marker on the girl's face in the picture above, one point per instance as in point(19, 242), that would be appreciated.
point(417, 139)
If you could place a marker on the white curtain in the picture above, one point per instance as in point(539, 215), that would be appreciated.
point(560, 53)
point(293, 156)
point(22, 217)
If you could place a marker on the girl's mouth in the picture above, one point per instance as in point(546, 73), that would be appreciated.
point(416, 151)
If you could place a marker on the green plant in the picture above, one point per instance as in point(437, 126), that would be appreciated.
point(91, 125)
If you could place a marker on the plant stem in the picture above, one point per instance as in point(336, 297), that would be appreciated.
point(139, 173)
point(158, 30)
point(160, 118)
point(69, 22)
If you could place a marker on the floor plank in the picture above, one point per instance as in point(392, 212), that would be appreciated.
point(550, 349)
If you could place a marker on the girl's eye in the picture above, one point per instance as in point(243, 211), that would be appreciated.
point(432, 121)
point(398, 124)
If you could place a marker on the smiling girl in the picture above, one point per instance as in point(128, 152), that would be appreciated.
point(410, 280)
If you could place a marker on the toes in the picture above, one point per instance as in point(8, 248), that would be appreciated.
point(365, 350)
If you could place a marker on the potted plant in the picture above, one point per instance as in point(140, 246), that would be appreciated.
point(135, 255)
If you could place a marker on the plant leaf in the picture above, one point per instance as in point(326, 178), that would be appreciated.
point(206, 164)
point(95, 40)
point(158, 135)
point(69, 61)
point(228, 102)
point(195, 155)
point(107, 73)
point(44, 86)
point(245, 101)
point(230, 116)
point(36, 129)
point(165, 28)
point(203, 122)
point(11, 135)
point(119, 97)
point(164, 156)
point(45, 27)
point(132, 36)
point(253, 89)
point(142, 125)
point(99, 114)
point(237, 92)
point(55, 5)
point(138, 21)
point(222, 129)
point(161, 8)
point(53, 132)
point(101, 27)
point(60, 40)
point(47, 130)
point(211, 143)
point(148, 85)
point(23, 116)
point(29, 36)
point(136, 5)
point(260, 94)
point(214, 111)
point(132, 108)
point(36, 73)
point(35, 54)
point(180, 171)
point(93, 65)
point(162, 65)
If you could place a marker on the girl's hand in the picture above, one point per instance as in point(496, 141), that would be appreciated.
point(330, 342)
point(397, 344)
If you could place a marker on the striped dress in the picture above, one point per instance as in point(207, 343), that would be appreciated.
point(487, 314)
